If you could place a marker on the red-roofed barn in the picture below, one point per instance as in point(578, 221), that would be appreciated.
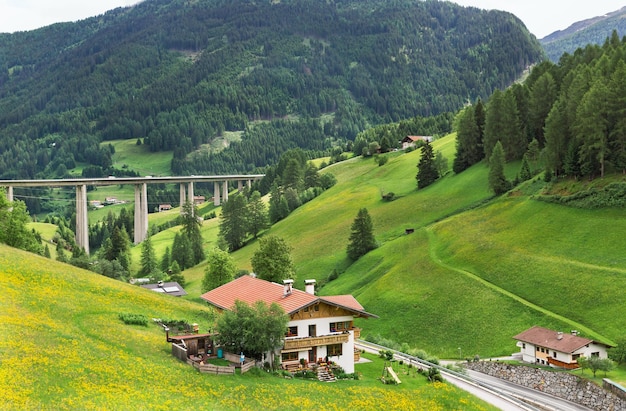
point(319, 327)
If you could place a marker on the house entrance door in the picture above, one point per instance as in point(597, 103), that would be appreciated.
point(313, 355)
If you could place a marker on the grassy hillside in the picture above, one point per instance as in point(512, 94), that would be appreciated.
point(475, 272)
point(128, 153)
point(63, 347)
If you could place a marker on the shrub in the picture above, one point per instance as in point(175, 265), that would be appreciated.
point(434, 375)
point(134, 319)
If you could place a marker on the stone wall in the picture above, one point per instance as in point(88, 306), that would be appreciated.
point(560, 384)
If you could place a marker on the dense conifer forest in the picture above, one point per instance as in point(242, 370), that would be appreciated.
point(568, 117)
point(175, 75)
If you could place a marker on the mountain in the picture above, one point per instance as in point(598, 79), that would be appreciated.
point(591, 31)
point(176, 75)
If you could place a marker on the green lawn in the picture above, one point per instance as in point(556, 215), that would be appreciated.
point(64, 348)
point(140, 159)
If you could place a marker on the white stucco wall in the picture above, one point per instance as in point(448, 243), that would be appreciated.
point(322, 325)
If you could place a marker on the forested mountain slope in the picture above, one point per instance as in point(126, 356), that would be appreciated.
point(591, 31)
point(176, 74)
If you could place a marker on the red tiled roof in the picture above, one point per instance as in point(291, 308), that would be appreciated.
point(250, 290)
point(568, 343)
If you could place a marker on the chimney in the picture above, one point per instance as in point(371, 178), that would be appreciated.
point(309, 286)
point(574, 332)
point(160, 284)
point(559, 335)
point(288, 287)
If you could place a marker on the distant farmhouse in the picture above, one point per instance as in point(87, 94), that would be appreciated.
point(547, 347)
point(410, 141)
point(320, 329)
point(164, 207)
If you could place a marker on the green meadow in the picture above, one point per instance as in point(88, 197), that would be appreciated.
point(63, 347)
point(139, 158)
point(476, 270)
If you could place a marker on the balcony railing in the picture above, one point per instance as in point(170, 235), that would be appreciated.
point(292, 343)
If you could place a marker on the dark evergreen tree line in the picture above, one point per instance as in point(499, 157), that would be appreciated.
point(569, 115)
point(178, 74)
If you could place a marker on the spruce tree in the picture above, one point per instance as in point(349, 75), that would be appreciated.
point(148, 258)
point(427, 169)
point(258, 218)
point(166, 260)
point(497, 181)
point(361, 239)
point(234, 221)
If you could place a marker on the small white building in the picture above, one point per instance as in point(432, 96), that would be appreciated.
point(319, 329)
point(411, 141)
point(543, 346)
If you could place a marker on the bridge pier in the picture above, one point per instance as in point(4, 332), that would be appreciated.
point(141, 212)
point(239, 185)
point(186, 195)
point(190, 195)
point(82, 220)
point(216, 194)
point(183, 196)
point(225, 190)
point(10, 194)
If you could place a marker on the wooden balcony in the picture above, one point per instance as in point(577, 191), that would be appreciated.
point(566, 365)
point(357, 333)
point(292, 343)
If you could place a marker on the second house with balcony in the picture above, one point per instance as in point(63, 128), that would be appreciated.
point(320, 329)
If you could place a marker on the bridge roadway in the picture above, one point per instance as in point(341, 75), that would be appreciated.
point(141, 195)
point(499, 393)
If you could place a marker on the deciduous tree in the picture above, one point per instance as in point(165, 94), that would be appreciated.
point(220, 270)
point(272, 261)
point(253, 330)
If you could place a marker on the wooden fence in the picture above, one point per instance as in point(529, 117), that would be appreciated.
point(236, 359)
point(179, 352)
point(212, 369)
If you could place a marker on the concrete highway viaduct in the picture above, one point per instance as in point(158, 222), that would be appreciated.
point(141, 195)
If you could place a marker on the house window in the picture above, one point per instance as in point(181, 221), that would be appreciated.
point(334, 349)
point(554, 354)
point(595, 354)
point(575, 356)
point(290, 356)
point(340, 326)
point(524, 345)
point(537, 348)
point(292, 331)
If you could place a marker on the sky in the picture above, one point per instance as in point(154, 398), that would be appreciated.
point(541, 17)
